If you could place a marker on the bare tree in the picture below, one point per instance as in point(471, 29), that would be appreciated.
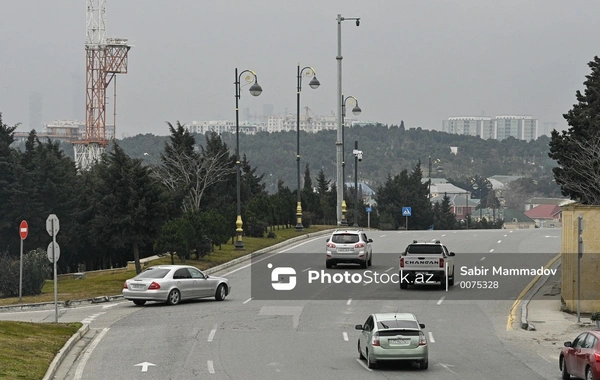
point(193, 174)
point(585, 163)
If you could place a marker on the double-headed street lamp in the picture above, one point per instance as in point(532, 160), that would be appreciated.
point(255, 90)
point(314, 83)
point(338, 143)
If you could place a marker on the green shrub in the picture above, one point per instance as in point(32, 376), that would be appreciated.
point(36, 270)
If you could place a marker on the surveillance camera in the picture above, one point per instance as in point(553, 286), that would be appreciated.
point(360, 156)
point(358, 22)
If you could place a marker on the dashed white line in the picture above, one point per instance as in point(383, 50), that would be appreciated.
point(505, 235)
point(431, 337)
point(483, 258)
point(389, 269)
point(88, 353)
point(345, 335)
point(443, 235)
point(307, 269)
point(441, 300)
point(211, 336)
point(546, 359)
point(382, 235)
point(499, 241)
point(492, 250)
point(363, 364)
point(246, 301)
point(211, 366)
point(349, 301)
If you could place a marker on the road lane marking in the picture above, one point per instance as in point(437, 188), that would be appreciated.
point(349, 301)
point(382, 235)
point(447, 366)
point(211, 336)
point(246, 301)
point(88, 353)
point(109, 306)
point(389, 269)
point(492, 250)
point(211, 366)
point(513, 310)
point(483, 258)
point(431, 337)
point(443, 235)
point(307, 269)
point(441, 300)
point(505, 235)
point(499, 241)
point(345, 335)
point(546, 359)
point(363, 365)
point(268, 257)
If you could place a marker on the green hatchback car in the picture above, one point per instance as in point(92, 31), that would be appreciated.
point(393, 336)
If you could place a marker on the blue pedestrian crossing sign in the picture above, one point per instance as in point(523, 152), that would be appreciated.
point(406, 211)
point(369, 209)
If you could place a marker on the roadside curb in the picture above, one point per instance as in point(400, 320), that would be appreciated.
point(64, 351)
point(537, 284)
point(43, 305)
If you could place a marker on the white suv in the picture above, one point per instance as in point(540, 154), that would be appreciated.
point(349, 246)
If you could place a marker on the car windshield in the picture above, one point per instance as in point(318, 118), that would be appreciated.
point(420, 249)
point(395, 324)
point(345, 238)
point(154, 273)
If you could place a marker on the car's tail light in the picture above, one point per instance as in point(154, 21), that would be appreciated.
point(330, 245)
point(125, 285)
point(375, 340)
point(359, 245)
point(154, 286)
point(402, 262)
point(597, 357)
point(441, 263)
point(422, 340)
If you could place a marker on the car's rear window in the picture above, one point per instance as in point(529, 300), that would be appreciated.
point(397, 324)
point(419, 249)
point(345, 238)
point(154, 273)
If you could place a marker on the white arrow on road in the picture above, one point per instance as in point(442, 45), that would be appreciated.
point(447, 366)
point(145, 366)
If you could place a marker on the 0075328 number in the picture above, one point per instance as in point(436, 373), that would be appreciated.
point(478, 284)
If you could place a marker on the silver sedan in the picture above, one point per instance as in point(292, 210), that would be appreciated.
point(174, 283)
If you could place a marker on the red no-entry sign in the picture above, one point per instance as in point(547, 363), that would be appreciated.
point(23, 230)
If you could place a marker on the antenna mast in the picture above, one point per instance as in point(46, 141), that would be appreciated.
point(105, 57)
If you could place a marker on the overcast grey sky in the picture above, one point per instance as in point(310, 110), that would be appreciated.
point(420, 61)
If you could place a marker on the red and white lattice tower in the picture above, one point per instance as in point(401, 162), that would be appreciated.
point(105, 57)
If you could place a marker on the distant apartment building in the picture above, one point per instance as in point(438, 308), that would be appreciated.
point(311, 124)
point(482, 126)
point(64, 131)
point(220, 126)
point(498, 127)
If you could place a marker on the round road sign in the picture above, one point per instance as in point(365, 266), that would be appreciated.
point(23, 230)
point(53, 252)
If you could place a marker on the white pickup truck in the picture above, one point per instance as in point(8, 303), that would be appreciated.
point(426, 263)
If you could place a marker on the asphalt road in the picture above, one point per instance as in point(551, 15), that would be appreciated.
point(255, 334)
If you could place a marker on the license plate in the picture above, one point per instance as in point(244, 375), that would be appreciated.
point(137, 286)
point(398, 341)
point(344, 250)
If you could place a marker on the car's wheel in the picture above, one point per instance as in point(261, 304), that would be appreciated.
point(139, 302)
point(451, 279)
point(403, 285)
point(370, 364)
point(174, 297)
point(424, 364)
point(328, 265)
point(360, 355)
point(588, 374)
point(563, 365)
point(363, 264)
point(370, 263)
point(221, 292)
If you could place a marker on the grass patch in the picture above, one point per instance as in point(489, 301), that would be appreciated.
point(110, 284)
point(27, 349)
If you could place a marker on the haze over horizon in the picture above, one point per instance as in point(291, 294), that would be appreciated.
point(420, 62)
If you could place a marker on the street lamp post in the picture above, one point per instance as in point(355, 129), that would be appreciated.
point(314, 83)
point(356, 111)
point(358, 154)
point(490, 186)
point(255, 90)
point(476, 187)
point(338, 143)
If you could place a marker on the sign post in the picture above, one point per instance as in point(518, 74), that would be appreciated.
point(52, 226)
point(579, 256)
point(369, 210)
point(23, 231)
point(406, 212)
